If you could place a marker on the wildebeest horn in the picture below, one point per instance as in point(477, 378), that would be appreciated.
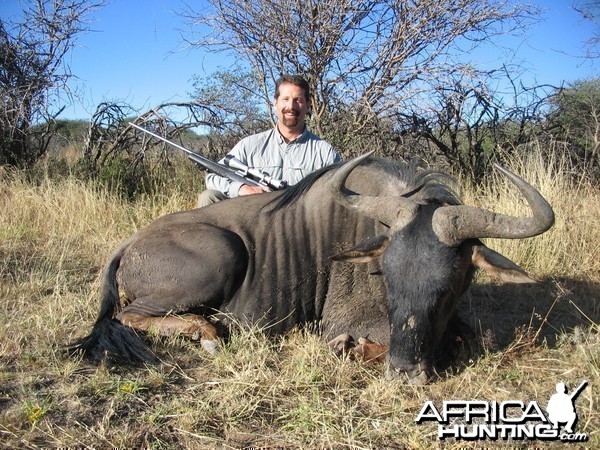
point(392, 211)
point(454, 224)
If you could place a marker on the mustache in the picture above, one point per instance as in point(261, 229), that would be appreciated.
point(291, 111)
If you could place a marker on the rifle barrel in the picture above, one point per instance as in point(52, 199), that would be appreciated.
point(212, 166)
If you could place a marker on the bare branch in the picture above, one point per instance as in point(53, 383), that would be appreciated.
point(370, 54)
point(33, 70)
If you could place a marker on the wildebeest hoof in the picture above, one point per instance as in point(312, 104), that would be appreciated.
point(342, 344)
point(370, 351)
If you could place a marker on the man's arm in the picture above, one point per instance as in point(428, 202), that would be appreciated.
point(231, 188)
point(334, 156)
point(225, 185)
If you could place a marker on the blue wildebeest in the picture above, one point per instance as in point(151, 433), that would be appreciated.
point(284, 259)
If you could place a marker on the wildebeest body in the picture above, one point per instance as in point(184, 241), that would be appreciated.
point(244, 259)
point(282, 259)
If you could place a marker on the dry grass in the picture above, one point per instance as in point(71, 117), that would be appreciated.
point(289, 392)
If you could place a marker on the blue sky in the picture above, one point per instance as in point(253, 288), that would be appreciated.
point(135, 53)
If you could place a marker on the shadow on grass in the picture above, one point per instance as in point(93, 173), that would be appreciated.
point(553, 307)
point(492, 317)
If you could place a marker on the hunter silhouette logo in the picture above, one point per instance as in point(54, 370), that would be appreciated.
point(511, 419)
point(561, 406)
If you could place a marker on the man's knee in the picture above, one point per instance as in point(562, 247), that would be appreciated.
point(210, 196)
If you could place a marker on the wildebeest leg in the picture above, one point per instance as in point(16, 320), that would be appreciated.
point(179, 273)
point(342, 344)
point(191, 326)
point(365, 349)
point(370, 351)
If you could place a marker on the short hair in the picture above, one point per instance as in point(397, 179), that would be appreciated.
point(296, 80)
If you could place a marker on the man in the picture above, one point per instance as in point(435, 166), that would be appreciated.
point(287, 152)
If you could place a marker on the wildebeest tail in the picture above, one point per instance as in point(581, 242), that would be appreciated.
point(109, 338)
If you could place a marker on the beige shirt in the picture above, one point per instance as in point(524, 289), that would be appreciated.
point(268, 152)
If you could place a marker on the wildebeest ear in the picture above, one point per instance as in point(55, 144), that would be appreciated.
point(366, 251)
point(499, 266)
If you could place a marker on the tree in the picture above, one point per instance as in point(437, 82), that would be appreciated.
point(458, 122)
point(363, 58)
point(133, 162)
point(590, 10)
point(575, 118)
point(235, 100)
point(466, 119)
point(34, 71)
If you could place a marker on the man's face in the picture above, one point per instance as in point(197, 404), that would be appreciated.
point(291, 106)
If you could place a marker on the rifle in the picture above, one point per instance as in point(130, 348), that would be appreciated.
point(234, 169)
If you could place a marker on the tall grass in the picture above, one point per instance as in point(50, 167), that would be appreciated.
point(574, 199)
point(287, 392)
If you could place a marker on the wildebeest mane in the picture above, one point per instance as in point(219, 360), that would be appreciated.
point(427, 185)
point(413, 181)
point(293, 193)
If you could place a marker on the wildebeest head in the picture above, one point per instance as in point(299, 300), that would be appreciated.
point(428, 255)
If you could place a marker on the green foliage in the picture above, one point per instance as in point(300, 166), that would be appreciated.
point(68, 131)
point(234, 97)
point(575, 106)
point(577, 111)
point(576, 119)
point(118, 176)
point(132, 179)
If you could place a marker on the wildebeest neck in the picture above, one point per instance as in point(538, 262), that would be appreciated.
point(290, 244)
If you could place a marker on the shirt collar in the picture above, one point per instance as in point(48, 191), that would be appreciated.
point(302, 138)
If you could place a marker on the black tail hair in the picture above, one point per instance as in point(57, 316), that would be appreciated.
point(109, 338)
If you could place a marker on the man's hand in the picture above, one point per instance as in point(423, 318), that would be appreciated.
point(249, 190)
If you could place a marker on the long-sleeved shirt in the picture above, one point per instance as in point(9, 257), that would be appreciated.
point(288, 161)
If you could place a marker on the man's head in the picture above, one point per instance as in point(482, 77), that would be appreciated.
point(292, 102)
